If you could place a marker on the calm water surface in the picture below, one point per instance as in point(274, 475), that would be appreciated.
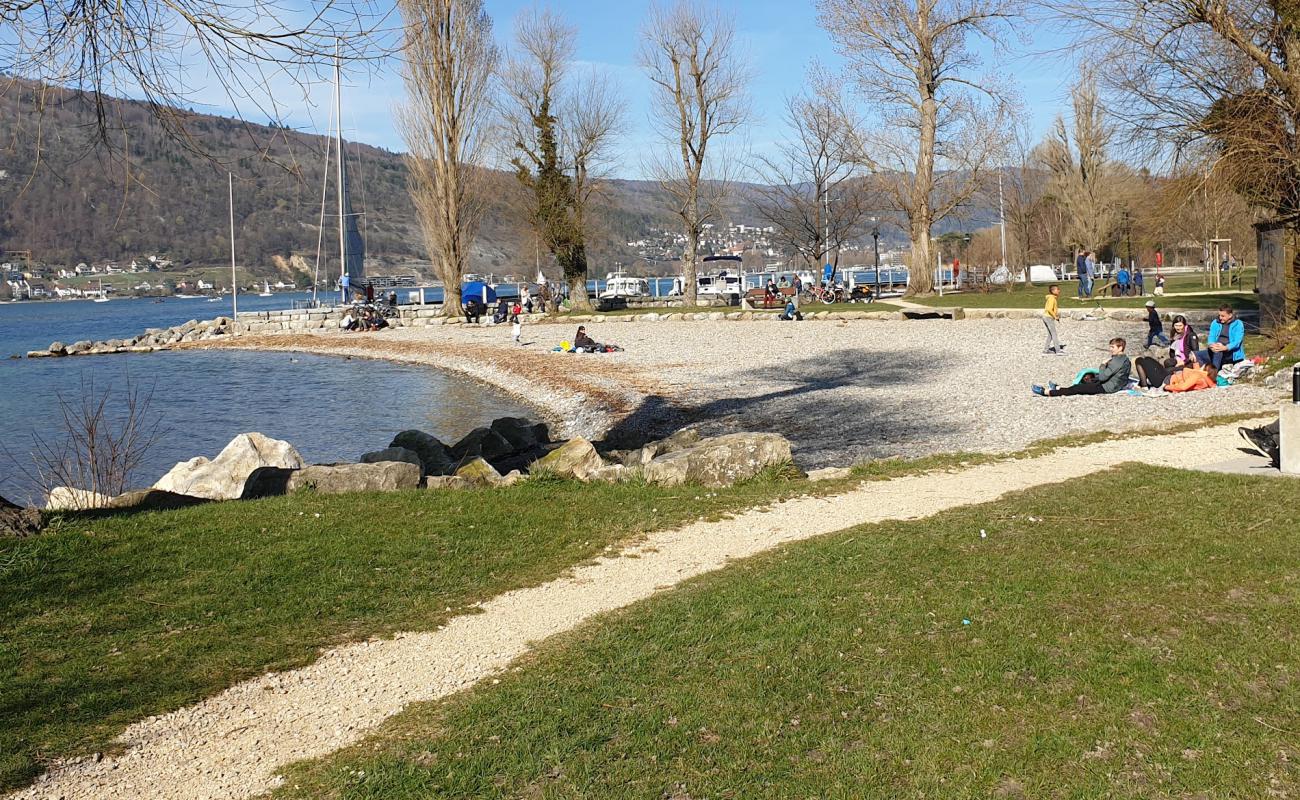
point(331, 409)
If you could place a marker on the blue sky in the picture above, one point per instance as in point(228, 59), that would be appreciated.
point(781, 39)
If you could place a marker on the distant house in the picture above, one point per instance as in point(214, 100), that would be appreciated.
point(19, 289)
point(38, 289)
point(203, 285)
point(144, 286)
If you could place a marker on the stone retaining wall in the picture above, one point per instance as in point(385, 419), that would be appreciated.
point(425, 316)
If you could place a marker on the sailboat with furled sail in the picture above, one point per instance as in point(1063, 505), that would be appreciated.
point(352, 248)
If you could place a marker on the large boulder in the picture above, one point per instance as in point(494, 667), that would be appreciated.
point(380, 476)
point(67, 498)
point(16, 521)
point(482, 443)
point(383, 476)
point(223, 477)
point(720, 460)
point(520, 433)
point(393, 454)
point(576, 458)
point(435, 457)
point(479, 473)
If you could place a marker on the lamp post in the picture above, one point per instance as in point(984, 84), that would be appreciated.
point(875, 239)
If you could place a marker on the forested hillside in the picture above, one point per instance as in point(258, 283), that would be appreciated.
point(68, 198)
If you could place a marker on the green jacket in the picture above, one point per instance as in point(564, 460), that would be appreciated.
point(1114, 374)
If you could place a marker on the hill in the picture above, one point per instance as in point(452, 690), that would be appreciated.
point(68, 198)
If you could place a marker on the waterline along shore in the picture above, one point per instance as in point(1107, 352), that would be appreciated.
point(842, 391)
point(854, 385)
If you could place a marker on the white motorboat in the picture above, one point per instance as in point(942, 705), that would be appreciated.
point(617, 284)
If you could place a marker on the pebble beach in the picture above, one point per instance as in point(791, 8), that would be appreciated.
point(842, 391)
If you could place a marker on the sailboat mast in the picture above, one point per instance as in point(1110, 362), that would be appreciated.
point(234, 280)
point(338, 131)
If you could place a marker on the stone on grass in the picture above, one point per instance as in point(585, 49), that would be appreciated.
point(223, 477)
point(435, 457)
point(720, 460)
point(575, 458)
point(678, 441)
point(479, 473)
point(18, 522)
point(393, 454)
point(382, 476)
point(829, 473)
point(67, 498)
point(154, 500)
point(446, 482)
point(612, 473)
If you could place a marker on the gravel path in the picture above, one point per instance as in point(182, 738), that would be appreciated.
point(233, 745)
point(842, 392)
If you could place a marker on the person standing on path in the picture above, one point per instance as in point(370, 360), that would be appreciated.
point(1091, 264)
point(1051, 316)
point(1156, 328)
point(345, 283)
point(1081, 273)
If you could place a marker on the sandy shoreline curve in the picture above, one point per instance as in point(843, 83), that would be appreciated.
point(843, 392)
point(569, 406)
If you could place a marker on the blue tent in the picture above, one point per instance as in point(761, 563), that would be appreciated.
point(474, 290)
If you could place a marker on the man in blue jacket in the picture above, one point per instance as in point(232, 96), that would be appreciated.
point(1224, 340)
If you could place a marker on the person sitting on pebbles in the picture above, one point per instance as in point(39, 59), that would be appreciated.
point(1111, 378)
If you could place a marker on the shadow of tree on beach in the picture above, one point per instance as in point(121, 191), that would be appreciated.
point(835, 408)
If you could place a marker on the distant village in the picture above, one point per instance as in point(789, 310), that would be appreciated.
point(658, 250)
point(24, 280)
point(753, 243)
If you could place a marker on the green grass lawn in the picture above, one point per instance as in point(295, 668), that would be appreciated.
point(1128, 635)
point(1032, 297)
point(108, 620)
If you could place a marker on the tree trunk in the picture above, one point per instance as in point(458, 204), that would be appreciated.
point(574, 264)
point(920, 278)
point(689, 284)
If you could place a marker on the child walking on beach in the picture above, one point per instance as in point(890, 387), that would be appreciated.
point(1155, 326)
point(516, 324)
point(1051, 316)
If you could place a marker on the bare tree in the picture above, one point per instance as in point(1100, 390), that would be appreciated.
point(1082, 172)
point(594, 116)
point(153, 48)
point(100, 441)
point(557, 132)
point(1214, 82)
point(450, 58)
point(809, 192)
point(940, 124)
point(690, 54)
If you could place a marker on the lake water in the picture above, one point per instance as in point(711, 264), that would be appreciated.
point(331, 409)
